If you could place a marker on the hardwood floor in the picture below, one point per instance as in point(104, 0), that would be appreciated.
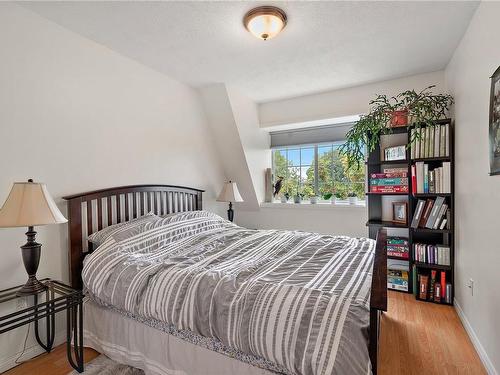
point(425, 338)
point(417, 338)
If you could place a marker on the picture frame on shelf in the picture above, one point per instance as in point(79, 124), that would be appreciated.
point(395, 153)
point(400, 212)
point(494, 126)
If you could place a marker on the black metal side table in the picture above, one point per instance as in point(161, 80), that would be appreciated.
point(57, 297)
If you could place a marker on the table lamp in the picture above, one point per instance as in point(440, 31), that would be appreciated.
point(230, 194)
point(29, 204)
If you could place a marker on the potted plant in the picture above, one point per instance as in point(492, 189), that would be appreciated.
point(328, 196)
point(421, 109)
point(337, 197)
point(313, 199)
point(285, 197)
point(353, 198)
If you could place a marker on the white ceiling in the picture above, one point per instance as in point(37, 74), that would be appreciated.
point(326, 45)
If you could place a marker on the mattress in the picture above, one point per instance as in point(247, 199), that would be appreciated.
point(287, 302)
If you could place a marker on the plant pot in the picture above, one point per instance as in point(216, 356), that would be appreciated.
point(353, 200)
point(313, 200)
point(399, 118)
point(283, 199)
point(296, 199)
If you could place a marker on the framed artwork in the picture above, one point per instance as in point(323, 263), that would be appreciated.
point(495, 123)
point(400, 212)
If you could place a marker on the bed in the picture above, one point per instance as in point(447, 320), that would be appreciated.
point(191, 293)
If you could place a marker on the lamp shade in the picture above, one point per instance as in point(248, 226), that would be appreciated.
point(230, 193)
point(29, 204)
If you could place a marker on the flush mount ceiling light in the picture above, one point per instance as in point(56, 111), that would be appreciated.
point(265, 22)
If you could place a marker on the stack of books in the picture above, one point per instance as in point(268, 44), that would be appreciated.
point(432, 254)
point(437, 180)
point(398, 247)
point(397, 274)
point(392, 180)
point(431, 142)
point(430, 288)
point(397, 279)
point(431, 214)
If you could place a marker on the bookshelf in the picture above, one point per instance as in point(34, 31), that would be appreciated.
point(380, 208)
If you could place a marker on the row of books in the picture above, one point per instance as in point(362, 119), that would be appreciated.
point(397, 280)
point(432, 254)
point(437, 180)
point(391, 180)
point(431, 142)
point(398, 274)
point(432, 214)
point(430, 288)
point(398, 247)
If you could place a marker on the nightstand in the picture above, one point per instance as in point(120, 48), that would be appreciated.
point(55, 298)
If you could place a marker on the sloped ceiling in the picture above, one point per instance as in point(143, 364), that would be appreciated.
point(326, 45)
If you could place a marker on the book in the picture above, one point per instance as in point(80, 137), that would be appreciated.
point(448, 291)
point(389, 175)
point(412, 138)
point(389, 189)
point(442, 142)
point(426, 178)
point(423, 286)
point(443, 224)
point(389, 181)
point(395, 170)
point(447, 140)
point(429, 203)
point(440, 216)
point(435, 209)
point(433, 281)
point(413, 179)
point(418, 213)
point(420, 176)
point(443, 284)
point(437, 292)
point(437, 137)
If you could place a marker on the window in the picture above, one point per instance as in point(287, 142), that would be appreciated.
point(317, 170)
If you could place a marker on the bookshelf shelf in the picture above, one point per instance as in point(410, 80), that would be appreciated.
point(428, 230)
point(431, 195)
point(441, 159)
point(387, 162)
point(385, 224)
point(372, 193)
point(379, 204)
point(432, 266)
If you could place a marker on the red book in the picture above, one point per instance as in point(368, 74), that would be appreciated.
point(413, 179)
point(443, 284)
point(398, 254)
point(389, 189)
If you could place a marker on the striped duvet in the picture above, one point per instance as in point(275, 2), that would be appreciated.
point(298, 300)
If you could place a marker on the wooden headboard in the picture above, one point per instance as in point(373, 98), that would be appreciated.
point(91, 211)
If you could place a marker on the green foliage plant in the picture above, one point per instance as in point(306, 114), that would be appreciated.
point(424, 108)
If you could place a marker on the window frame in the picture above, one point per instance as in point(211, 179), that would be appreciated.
point(315, 147)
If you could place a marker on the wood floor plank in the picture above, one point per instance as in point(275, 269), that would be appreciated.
point(417, 338)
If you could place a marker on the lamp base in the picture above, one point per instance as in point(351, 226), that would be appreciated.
point(230, 212)
point(31, 252)
point(32, 286)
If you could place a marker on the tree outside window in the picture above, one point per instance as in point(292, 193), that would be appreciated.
point(317, 170)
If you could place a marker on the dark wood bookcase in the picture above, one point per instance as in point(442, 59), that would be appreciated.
point(375, 202)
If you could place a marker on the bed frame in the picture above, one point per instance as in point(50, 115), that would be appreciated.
point(88, 212)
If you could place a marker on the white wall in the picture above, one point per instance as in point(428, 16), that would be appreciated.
point(78, 116)
point(477, 194)
point(340, 103)
point(336, 220)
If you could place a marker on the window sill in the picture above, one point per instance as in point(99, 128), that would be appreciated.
point(316, 206)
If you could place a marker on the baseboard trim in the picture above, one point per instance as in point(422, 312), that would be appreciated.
point(30, 352)
point(490, 369)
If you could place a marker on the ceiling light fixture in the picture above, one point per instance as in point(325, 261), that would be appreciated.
point(265, 22)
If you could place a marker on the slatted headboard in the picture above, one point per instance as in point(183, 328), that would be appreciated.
point(91, 211)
